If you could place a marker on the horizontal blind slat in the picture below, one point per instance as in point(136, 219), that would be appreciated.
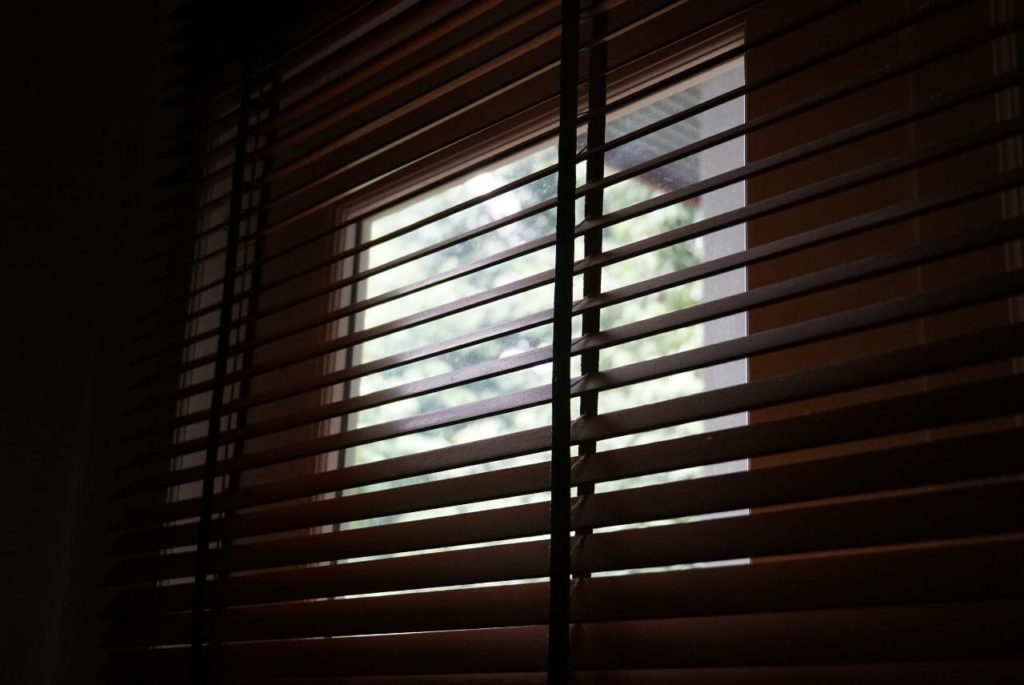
point(937, 462)
point(862, 578)
point(980, 508)
point(782, 246)
point(928, 358)
point(969, 630)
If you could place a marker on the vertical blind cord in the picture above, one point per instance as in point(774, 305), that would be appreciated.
point(197, 656)
point(561, 417)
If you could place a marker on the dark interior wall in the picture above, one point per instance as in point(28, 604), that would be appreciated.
point(80, 119)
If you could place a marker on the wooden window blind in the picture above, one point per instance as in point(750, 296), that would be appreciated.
point(631, 342)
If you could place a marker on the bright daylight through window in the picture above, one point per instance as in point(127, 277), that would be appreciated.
point(514, 261)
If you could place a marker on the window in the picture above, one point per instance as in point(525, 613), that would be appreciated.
point(447, 269)
point(793, 332)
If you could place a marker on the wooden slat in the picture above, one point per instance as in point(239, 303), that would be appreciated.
point(694, 110)
point(774, 162)
point(903, 308)
point(728, 134)
point(478, 651)
point(907, 413)
point(783, 246)
point(965, 631)
point(930, 463)
point(981, 630)
point(941, 355)
point(378, 38)
point(810, 282)
point(753, 210)
point(901, 414)
point(993, 672)
point(909, 574)
point(979, 509)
